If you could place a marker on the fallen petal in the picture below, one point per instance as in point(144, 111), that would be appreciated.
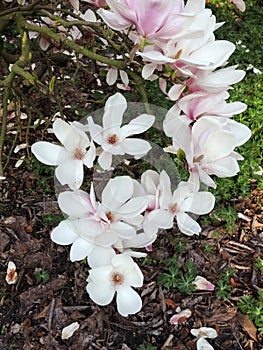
point(68, 331)
point(11, 274)
point(181, 317)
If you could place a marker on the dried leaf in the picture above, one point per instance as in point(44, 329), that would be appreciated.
point(248, 326)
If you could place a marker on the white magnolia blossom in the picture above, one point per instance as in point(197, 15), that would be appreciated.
point(208, 145)
point(176, 205)
point(115, 273)
point(111, 222)
point(76, 151)
point(114, 138)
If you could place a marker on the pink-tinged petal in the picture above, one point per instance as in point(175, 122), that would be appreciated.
point(44, 43)
point(138, 125)
point(202, 283)
point(111, 76)
point(80, 249)
point(133, 207)
point(175, 91)
point(199, 203)
point(70, 173)
point(128, 301)
point(117, 192)
point(74, 4)
point(113, 111)
point(64, 233)
point(187, 225)
point(181, 317)
point(205, 178)
point(75, 204)
point(123, 230)
point(136, 147)
point(48, 153)
point(225, 167)
point(100, 256)
point(203, 344)
point(100, 294)
point(240, 4)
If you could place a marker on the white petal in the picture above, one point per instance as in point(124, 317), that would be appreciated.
point(124, 77)
point(175, 91)
point(136, 147)
point(203, 344)
point(133, 207)
point(117, 191)
point(68, 331)
point(80, 249)
point(48, 153)
point(161, 218)
point(187, 225)
point(199, 203)
point(75, 204)
point(100, 294)
point(123, 230)
point(138, 125)
point(113, 111)
point(225, 167)
point(128, 301)
point(148, 70)
point(70, 173)
point(105, 160)
point(111, 76)
point(100, 256)
point(64, 233)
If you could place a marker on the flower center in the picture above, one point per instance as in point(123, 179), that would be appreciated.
point(110, 216)
point(112, 139)
point(117, 278)
point(173, 208)
point(78, 154)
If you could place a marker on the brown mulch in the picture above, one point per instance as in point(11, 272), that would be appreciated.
point(33, 313)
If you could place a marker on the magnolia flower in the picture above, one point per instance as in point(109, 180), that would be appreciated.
point(202, 333)
point(113, 138)
point(202, 283)
point(76, 151)
point(197, 105)
point(68, 331)
point(92, 224)
point(152, 19)
point(115, 274)
point(208, 145)
point(176, 205)
point(11, 274)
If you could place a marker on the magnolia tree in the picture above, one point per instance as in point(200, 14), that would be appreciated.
point(168, 41)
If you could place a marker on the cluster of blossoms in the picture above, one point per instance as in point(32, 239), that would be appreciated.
point(176, 44)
